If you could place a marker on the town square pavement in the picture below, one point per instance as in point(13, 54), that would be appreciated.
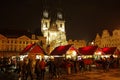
point(112, 74)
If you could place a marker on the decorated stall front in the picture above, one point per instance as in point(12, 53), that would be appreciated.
point(108, 51)
point(33, 51)
point(87, 52)
point(66, 51)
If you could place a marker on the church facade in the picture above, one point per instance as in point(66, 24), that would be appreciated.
point(53, 29)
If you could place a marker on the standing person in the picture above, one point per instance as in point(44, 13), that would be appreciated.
point(82, 65)
point(104, 64)
point(42, 68)
point(75, 66)
point(69, 66)
point(24, 69)
point(37, 69)
point(52, 68)
point(29, 69)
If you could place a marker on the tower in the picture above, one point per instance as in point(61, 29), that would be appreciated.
point(45, 25)
point(45, 22)
point(60, 22)
point(53, 28)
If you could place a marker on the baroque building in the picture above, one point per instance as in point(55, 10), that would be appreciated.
point(107, 39)
point(10, 46)
point(77, 43)
point(53, 28)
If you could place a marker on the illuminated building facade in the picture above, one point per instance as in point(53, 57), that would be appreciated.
point(107, 40)
point(53, 30)
point(77, 43)
point(10, 46)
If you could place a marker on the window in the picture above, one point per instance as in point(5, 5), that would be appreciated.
point(2, 41)
point(15, 42)
point(45, 24)
point(11, 41)
point(20, 42)
point(60, 25)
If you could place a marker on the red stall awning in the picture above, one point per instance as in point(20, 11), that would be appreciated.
point(33, 49)
point(109, 50)
point(60, 50)
point(88, 50)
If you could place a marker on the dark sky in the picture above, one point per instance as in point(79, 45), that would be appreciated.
point(84, 18)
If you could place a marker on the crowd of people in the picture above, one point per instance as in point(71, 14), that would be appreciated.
point(54, 67)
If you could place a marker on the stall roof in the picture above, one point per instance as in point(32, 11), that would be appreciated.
point(60, 50)
point(33, 49)
point(27, 48)
point(109, 50)
point(117, 52)
point(88, 50)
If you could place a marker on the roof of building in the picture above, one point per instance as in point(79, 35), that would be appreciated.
point(60, 50)
point(33, 49)
point(15, 33)
point(88, 50)
point(109, 50)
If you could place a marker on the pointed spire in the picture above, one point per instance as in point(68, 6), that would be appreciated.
point(59, 11)
point(97, 37)
point(45, 12)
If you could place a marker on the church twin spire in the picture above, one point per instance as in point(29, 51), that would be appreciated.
point(53, 27)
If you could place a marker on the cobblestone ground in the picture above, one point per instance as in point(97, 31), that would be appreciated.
point(112, 74)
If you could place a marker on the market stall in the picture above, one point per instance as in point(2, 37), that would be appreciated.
point(33, 51)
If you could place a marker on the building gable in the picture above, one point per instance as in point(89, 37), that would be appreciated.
point(24, 38)
point(2, 37)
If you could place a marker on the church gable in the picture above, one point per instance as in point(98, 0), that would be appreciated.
point(24, 37)
point(53, 27)
point(2, 37)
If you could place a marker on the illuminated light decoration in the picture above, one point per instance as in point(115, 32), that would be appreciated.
point(98, 53)
point(51, 57)
point(71, 52)
point(92, 43)
point(115, 56)
point(79, 57)
point(74, 53)
point(22, 57)
point(38, 57)
point(68, 57)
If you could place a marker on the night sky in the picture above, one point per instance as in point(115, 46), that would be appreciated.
point(84, 18)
